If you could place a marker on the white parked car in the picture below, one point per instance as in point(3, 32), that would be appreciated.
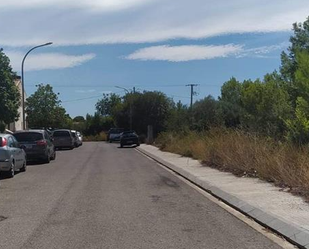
point(79, 138)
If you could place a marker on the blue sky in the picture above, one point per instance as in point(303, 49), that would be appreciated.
point(149, 44)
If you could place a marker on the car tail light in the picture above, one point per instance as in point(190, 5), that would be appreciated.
point(4, 142)
point(41, 142)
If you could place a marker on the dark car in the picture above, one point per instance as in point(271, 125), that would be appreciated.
point(63, 139)
point(114, 134)
point(129, 138)
point(37, 144)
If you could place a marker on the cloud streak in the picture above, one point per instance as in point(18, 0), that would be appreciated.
point(44, 61)
point(83, 22)
point(184, 53)
point(200, 52)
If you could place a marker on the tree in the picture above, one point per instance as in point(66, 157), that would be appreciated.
point(205, 114)
point(79, 119)
point(9, 94)
point(266, 106)
point(298, 127)
point(44, 109)
point(299, 42)
point(179, 119)
point(230, 106)
point(107, 104)
point(148, 108)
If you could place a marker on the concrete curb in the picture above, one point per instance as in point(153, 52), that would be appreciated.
point(293, 234)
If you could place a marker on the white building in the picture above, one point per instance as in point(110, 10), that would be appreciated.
point(18, 125)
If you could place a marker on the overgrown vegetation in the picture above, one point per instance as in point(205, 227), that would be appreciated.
point(257, 128)
point(244, 154)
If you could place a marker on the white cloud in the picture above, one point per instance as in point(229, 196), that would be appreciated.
point(200, 52)
point(102, 5)
point(76, 22)
point(262, 52)
point(184, 53)
point(47, 60)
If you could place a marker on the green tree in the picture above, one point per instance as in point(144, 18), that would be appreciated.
point(230, 106)
point(266, 106)
point(298, 127)
point(79, 119)
point(299, 42)
point(179, 119)
point(9, 94)
point(107, 104)
point(44, 110)
point(205, 114)
point(148, 108)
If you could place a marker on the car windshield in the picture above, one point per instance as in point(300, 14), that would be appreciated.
point(115, 131)
point(61, 134)
point(28, 136)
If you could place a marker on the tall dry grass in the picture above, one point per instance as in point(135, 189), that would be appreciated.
point(95, 138)
point(244, 154)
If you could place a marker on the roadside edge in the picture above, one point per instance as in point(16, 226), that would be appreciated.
point(291, 233)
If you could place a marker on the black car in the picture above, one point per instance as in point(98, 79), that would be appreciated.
point(129, 138)
point(37, 144)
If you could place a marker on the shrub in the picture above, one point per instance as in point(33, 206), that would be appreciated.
point(284, 164)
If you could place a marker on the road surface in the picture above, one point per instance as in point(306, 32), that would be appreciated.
point(101, 196)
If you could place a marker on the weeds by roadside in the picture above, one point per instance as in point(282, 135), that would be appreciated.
point(243, 154)
point(96, 138)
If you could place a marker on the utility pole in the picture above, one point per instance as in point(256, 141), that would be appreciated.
point(192, 93)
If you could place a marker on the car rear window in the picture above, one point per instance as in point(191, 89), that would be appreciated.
point(129, 135)
point(28, 136)
point(61, 134)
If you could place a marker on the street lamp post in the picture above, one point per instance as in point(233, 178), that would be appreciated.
point(23, 83)
point(130, 105)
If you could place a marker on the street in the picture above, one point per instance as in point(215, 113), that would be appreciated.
point(102, 196)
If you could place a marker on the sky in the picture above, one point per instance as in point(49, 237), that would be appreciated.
point(160, 45)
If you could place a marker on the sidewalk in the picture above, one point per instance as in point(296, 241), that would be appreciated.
point(282, 212)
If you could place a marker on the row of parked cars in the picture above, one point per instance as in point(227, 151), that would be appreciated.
point(18, 148)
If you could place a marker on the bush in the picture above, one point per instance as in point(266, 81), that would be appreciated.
point(95, 138)
point(284, 164)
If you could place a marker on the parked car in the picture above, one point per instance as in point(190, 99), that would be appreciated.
point(75, 138)
point(63, 139)
point(129, 138)
point(37, 144)
point(12, 156)
point(114, 134)
point(80, 138)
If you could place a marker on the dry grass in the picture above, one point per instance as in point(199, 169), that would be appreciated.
point(100, 137)
point(245, 155)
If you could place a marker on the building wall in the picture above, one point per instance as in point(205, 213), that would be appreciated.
point(18, 125)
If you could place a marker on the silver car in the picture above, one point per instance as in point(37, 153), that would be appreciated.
point(63, 139)
point(12, 156)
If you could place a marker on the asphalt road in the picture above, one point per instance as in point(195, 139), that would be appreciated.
point(101, 196)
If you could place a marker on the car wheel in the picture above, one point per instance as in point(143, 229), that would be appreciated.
point(11, 172)
point(110, 141)
point(54, 156)
point(47, 159)
point(24, 167)
point(121, 145)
